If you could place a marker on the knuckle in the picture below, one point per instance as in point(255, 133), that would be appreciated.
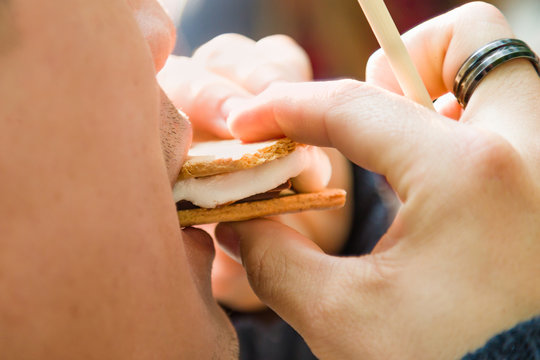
point(346, 92)
point(226, 40)
point(284, 50)
point(375, 62)
point(274, 87)
point(341, 93)
point(376, 56)
point(220, 44)
point(485, 15)
point(345, 102)
point(376, 277)
point(266, 73)
point(492, 160)
point(265, 271)
point(346, 86)
point(277, 40)
point(230, 39)
point(483, 9)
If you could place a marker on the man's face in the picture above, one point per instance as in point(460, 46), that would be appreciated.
point(156, 27)
point(212, 335)
point(93, 262)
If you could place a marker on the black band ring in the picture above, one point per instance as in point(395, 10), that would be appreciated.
point(488, 57)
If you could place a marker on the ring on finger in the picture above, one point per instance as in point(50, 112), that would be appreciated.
point(487, 58)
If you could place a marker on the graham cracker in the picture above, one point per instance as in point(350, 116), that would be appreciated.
point(218, 157)
point(325, 199)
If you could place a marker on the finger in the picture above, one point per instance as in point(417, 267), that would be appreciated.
point(230, 285)
point(200, 94)
point(316, 294)
point(255, 65)
point(447, 105)
point(287, 271)
point(506, 100)
point(357, 119)
point(439, 46)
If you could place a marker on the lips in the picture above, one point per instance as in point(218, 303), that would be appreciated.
point(200, 253)
point(202, 239)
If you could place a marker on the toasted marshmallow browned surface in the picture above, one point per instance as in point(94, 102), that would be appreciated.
point(218, 157)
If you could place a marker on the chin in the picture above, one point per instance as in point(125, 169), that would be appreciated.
point(227, 340)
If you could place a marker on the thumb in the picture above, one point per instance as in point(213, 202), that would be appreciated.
point(330, 301)
point(286, 270)
point(310, 290)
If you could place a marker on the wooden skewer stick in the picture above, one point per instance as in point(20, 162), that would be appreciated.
point(387, 35)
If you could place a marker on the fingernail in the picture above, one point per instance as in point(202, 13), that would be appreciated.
point(229, 241)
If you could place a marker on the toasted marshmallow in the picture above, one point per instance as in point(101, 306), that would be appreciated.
point(309, 168)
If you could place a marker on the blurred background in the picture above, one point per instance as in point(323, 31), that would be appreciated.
point(334, 33)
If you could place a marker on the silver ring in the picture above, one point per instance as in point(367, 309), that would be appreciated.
point(487, 58)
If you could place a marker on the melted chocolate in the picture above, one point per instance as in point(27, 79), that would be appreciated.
point(270, 194)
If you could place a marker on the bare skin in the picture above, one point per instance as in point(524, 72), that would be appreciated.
point(93, 263)
point(460, 262)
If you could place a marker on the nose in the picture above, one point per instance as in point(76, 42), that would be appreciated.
point(157, 28)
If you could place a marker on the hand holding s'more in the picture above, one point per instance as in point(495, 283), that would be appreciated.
point(229, 180)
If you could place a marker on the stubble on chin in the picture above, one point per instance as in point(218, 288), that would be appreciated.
point(175, 136)
point(228, 347)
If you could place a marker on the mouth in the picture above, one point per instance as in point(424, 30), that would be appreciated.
point(202, 239)
point(200, 252)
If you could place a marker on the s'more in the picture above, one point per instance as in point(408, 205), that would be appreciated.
point(229, 180)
